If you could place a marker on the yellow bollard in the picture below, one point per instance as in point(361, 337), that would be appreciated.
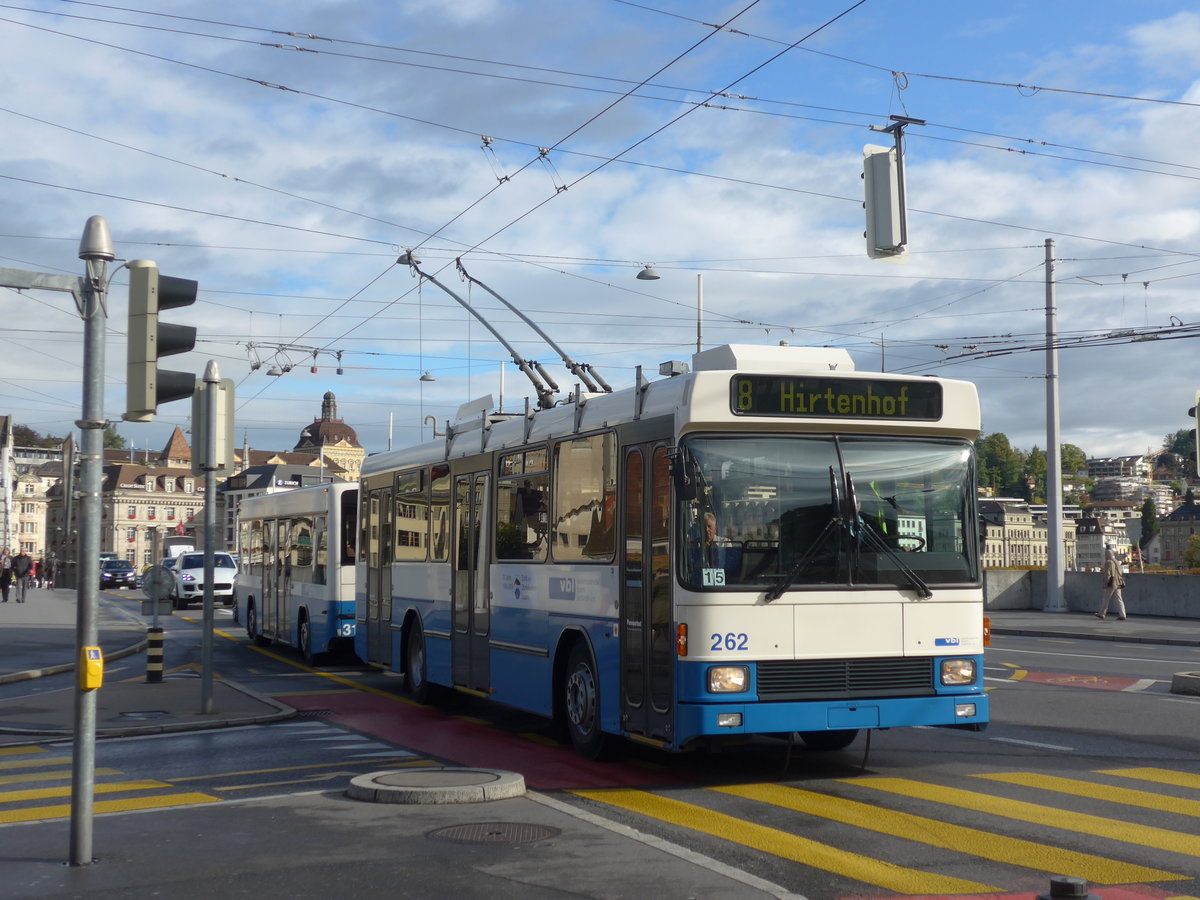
point(154, 655)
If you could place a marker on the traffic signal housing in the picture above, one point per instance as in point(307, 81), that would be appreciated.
point(1194, 414)
point(150, 340)
point(886, 217)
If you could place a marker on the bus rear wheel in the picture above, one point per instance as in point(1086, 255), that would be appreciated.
point(581, 703)
point(305, 642)
point(823, 741)
point(252, 626)
point(414, 664)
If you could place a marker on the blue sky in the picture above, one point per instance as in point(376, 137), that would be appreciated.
point(287, 179)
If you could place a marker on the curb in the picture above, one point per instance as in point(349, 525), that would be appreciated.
point(1186, 683)
point(436, 785)
point(30, 674)
point(281, 711)
point(1091, 636)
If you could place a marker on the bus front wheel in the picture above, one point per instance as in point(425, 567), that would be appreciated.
point(581, 703)
point(822, 741)
point(414, 664)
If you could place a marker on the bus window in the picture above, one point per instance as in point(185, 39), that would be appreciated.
point(320, 550)
point(521, 508)
point(439, 512)
point(412, 515)
point(346, 542)
point(585, 494)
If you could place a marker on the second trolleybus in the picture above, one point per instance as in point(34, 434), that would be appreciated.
point(770, 542)
point(295, 582)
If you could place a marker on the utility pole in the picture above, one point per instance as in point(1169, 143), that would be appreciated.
point(96, 250)
point(1054, 505)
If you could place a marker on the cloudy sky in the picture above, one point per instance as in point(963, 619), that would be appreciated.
point(285, 154)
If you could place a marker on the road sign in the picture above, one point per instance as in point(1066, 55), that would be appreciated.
point(157, 582)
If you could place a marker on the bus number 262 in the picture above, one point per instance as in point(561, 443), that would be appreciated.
point(729, 641)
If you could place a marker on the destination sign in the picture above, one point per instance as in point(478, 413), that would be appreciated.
point(821, 397)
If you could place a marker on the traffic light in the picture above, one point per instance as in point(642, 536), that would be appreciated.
point(1193, 413)
point(150, 340)
point(886, 232)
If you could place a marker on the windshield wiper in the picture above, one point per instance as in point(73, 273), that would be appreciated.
point(867, 535)
point(837, 520)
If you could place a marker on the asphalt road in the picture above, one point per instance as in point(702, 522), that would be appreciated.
point(1089, 769)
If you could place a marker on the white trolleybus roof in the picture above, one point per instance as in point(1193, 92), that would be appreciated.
point(734, 387)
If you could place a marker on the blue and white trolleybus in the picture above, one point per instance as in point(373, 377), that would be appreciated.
point(770, 542)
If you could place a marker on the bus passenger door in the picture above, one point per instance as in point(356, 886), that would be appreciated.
point(472, 592)
point(379, 576)
point(646, 616)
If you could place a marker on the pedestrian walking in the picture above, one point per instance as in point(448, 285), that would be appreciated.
point(51, 565)
point(5, 573)
point(1114, 580)
point(22, 567)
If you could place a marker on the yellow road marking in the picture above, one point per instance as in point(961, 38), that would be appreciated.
point(21, 751)
point(1065, 820)
point(57, 775)
point(399, 760)
point(130, 804)
point(936, 833)
point(9, 765)
point(1159, 776)
point(108, 787)
point(786, 845)
point(541, 739)
point(1077, 788)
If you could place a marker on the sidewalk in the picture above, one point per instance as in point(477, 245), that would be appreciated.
point(1085, 626)
point(37, 639)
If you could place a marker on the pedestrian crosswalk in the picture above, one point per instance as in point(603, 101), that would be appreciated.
point(990, 831)
point(34, 765)
point(35, 780)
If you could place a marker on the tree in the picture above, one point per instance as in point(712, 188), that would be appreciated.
point(1150, 525)
point(1001, 466)
point(112, 440)
point(24, 436)
point(1074, 460)
point(1191, 552)
point(1180, 450)
point(1035, 468)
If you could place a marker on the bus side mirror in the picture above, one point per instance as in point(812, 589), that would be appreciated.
point(685, 474)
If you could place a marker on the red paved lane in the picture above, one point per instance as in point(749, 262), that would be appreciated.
point(431, 732)
point(1095, 682)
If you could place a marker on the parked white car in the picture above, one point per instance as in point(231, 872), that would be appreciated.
point(189, 579)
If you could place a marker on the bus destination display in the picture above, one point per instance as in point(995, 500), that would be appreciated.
point(821, 397)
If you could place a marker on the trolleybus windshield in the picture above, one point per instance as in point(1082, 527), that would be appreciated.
point(852, 510)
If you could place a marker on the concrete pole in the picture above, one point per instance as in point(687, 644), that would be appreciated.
point(1055, 578)
point(212, 379)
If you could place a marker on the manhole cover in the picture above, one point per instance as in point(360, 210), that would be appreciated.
point(494, 833)
point(145, 714)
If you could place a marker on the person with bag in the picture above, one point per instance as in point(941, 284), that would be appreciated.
point(1114, 580)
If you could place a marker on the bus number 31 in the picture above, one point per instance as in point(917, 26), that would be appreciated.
point(729, 641)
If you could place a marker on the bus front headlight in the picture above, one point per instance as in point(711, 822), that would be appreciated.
point(958, 671)
point(728, 679)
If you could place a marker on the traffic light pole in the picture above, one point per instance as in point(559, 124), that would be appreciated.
point(96, 250)
point(91, 467)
